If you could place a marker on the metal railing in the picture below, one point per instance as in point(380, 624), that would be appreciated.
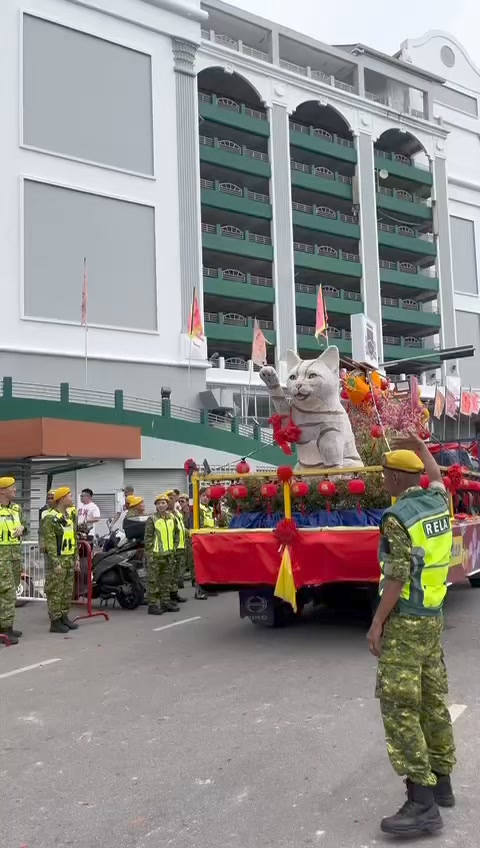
point(231, 105)
point(35, 391)
point(320, 171)
point(402, 158)
point(318, 131)
point(234, 44)
point(234, 232)
point(232, 275)
point(232, 147)
point(407, 268)
point(320, 76)
point(401, 194)
point(325, 250)
point(231, 188)
point(324, 212)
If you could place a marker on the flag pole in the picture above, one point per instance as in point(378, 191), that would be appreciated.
point(190, 333)
point(85, 322)
point(471, 412)
point(459, 421)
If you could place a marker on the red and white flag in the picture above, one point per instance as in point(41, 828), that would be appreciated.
point(439, 403)
point(259, 345)
point(450, 404)
point(84, 309)
point(321, 318)
point(466, 403)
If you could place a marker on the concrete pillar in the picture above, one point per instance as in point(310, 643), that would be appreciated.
point(188, 165)
point(441, 220)
point(282, 231)
point(372, 304)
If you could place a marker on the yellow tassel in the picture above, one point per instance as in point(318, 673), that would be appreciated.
point(285, 586)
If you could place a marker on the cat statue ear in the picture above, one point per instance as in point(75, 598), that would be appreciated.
point(292, 359)
point(331, 358)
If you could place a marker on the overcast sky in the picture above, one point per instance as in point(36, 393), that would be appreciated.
point(374, 22)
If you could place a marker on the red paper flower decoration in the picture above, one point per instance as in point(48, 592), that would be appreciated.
point(455, 473)
point(286, 532)
point(447, 483)
point(242, 467)
point(284, 473)
point(376, 432)
point(285, 436)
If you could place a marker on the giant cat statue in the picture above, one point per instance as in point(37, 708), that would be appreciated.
point(312, 397)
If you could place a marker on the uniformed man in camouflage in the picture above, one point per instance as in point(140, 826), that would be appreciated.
point(11, 532)
point(59, 539)
point(406, 635)
point(179, 563)
point(17, 550)
point(161, 539)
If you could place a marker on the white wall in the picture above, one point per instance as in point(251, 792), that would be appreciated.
point(16, 163)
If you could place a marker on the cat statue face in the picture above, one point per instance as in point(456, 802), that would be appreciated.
point(314, 383)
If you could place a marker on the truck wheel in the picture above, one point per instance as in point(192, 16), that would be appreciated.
point(283, 616)
point(475, 581)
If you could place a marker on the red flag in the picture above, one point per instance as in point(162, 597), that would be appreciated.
point(84, 309)
point(195, 324)
point(475, 403)
point(439, 403)
point(321, 317)
point(259, 345)
point(450, 404)
point(466, 403)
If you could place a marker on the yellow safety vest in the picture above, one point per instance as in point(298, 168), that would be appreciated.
point(9, 522)
point(164, 535)
point(181, 531)
point(425, 516)
point(66, 543)
point(208, 519)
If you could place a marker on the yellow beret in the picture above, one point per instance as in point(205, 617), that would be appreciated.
point(6, 482)
point(134, 500)
point(60, 493)
point(403, 460)
point(163, 497)
point(184, 496)
point(170, 493)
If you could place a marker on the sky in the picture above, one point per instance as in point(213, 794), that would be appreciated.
point(374, 22)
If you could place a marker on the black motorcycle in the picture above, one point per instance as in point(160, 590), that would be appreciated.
point(119, 573)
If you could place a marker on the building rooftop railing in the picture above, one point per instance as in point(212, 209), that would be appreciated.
point(234, 44)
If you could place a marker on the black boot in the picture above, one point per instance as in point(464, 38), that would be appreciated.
point(57, 626)
point(443, 791)
point(170, 606)
point(153, 609)
point(419, 815)
point(177, 599)
point(16, 633)
point(72, 625)
point(200, 594)
point(10, 634)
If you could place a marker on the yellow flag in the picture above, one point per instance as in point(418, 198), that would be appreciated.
point(285, 586)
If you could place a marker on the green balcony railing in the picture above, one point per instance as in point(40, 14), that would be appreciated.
point(230, 326)
point(326, 258)
point(400, 200)
point(228, 154)
point(403, 237)
point(225, 110)
point(338, 301)
point(227, 195)
point(322, 141)
point(325, 219)
point(400, 165)
point(230, 282)
point(230, 239)
point(407, 274)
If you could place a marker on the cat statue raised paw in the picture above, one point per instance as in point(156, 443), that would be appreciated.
point(312, 397)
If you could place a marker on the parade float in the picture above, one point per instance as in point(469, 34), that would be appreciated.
point(307, 530)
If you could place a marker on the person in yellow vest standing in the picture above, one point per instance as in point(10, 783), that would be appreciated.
point(180, 559)
point(207, 519)
point(11, 532)
point(161, 539)
point(406, 635)
point(59, 540)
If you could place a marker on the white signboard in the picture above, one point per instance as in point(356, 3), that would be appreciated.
point(364, 340)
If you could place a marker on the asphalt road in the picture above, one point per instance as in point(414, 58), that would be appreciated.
point(213, 733)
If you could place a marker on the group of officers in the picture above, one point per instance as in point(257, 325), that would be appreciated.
point(165, 533)
point(168, 546)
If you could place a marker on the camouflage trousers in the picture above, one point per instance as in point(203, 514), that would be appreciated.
point(7, 593)
point(189, 568)
point(159, 579)
point(59, 586)
point(17, 565)
point(412, 687)
point(178, 573)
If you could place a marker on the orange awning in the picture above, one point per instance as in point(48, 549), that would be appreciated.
point(52, 437)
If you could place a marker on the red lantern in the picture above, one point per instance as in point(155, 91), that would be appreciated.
point(300, 489)
point(216, 492)
point(356, 486)
point(447, 483)
point(284, 473)
point(242, 467)
point(238, 492)
point(327, 488)
point(269, 490)
point(424, 481)
point(376, 432)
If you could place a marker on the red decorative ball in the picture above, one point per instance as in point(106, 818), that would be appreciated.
point(344, 394)
point(216, 492)
point(269, 490)
point(424, 481)
point(376, 432)
point(284, 473)
point(242, 467)
point(356, 486)
point(327, 488)
point(300, 489)
point(238, 492)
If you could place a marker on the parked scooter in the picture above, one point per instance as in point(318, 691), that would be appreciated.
point(119, 571)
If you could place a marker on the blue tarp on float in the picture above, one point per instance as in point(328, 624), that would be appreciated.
point(322, 518)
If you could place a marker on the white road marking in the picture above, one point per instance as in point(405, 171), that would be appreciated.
point(29, 667)
point(176, 623)
point(456, 710)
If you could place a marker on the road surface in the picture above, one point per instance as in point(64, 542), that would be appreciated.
point(213, 733)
